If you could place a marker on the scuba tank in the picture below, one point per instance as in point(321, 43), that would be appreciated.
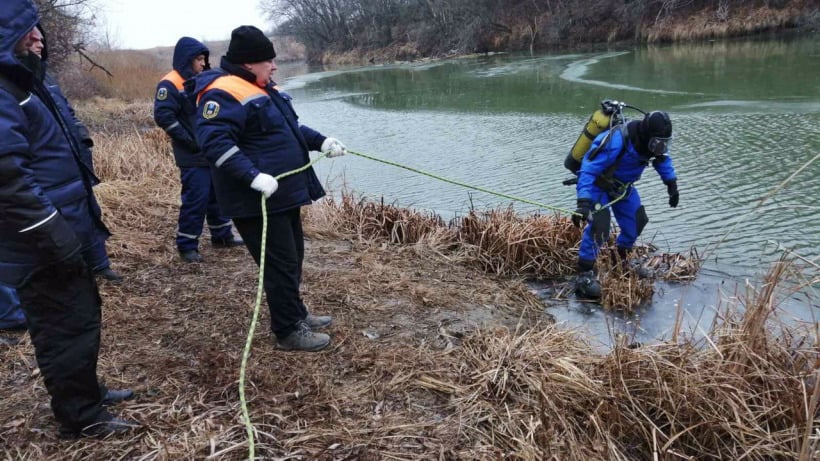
point(609, 115)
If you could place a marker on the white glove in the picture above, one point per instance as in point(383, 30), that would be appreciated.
point(265, 184)
point(333, 148)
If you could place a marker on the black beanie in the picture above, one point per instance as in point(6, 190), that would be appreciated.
point(249, 45)
point(656, 124)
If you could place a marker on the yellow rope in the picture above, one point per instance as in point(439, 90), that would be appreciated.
point(247, 351)
point(457, 183)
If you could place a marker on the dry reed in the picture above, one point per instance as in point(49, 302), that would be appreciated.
point(135, 74)
point(725, 20)
point(503, 243)
point(430, 359)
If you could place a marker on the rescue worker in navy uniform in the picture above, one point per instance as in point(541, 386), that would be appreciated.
point(44, 218)
point(250, 132)
point(11, 314)
point(607, 173)
point(174, 112)
point(94, 253)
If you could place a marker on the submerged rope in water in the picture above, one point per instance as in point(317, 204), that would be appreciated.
point(247, 351)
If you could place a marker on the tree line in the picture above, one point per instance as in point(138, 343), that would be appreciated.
point(436, 27)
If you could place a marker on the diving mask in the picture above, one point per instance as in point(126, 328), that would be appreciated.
point(659, 146)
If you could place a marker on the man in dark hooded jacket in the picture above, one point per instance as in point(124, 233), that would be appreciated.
point(174, 112)
point(44, 217)
point(94, 251)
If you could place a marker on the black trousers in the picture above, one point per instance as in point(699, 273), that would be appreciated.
point(62, 307)
point(284, 253)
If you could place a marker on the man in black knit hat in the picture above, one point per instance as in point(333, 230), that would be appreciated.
point(612, 164)
point(249, 132)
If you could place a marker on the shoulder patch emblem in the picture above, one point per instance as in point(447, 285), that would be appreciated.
point(162, 94)
point(210, 110)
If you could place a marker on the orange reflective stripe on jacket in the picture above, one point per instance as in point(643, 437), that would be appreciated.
point(239, 88)
point(174, 78)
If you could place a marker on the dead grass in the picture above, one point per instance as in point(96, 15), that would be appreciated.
point(725, 21)
point(431, 358)
point(114, 117)
point(504, 243)
point(136, 74)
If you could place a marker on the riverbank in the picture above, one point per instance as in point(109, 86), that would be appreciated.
point(431, 358)
point(556, 30)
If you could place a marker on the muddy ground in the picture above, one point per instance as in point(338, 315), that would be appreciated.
point(174, 333)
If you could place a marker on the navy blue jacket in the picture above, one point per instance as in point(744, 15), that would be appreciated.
point(44, 206)
point(174, 111)
point(245, 130)
point(629, 169)
point(78, 131)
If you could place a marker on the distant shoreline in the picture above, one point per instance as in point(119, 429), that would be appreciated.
point(694, 26)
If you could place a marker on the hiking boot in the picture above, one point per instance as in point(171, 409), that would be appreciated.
point(227, 243)
point(190, 256)
point(587, 286)
point(114, 397)
point(303, 339)
point(318, 321)
point(108, 274)
point(105, 426)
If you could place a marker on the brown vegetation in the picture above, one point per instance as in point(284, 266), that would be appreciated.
point(133, 75)
point(504, 243)
point(377, 31)
point(431, 358)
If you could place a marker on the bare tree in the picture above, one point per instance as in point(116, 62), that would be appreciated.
point(67, 24)
point(435, 27)
point(318, 24)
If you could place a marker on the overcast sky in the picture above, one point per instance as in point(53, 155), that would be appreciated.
point(138, 24)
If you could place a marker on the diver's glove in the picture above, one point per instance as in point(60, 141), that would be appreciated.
point(265, 184)
point(672, 190)
point(332, 147)
point(582, 212)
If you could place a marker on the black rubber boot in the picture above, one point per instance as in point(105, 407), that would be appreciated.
point(586, 284)
point(634, 265)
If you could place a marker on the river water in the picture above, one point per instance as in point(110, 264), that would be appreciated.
point(746, 117)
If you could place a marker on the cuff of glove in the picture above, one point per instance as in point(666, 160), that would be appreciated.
point(584, 203)
point(671, 185)
point(326, 144)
